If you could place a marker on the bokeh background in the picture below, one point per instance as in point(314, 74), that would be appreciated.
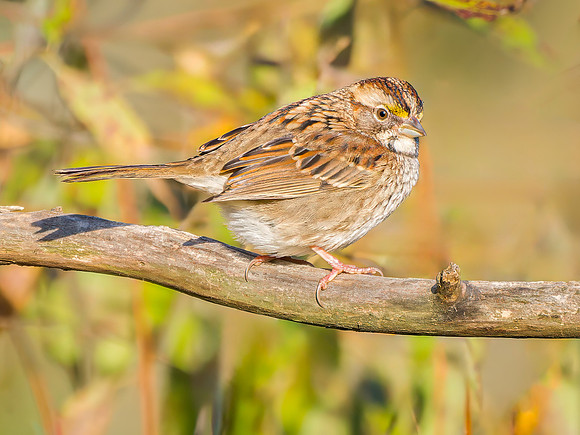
point(96, 82)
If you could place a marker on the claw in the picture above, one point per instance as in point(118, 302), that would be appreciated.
point(266, 258)
point(338, 267)
point(323, 283)
point(256, 262)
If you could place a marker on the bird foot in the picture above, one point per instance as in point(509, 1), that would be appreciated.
point(338, 267)
point(260, 259)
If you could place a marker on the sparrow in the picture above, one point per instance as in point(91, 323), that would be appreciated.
point(313, 176)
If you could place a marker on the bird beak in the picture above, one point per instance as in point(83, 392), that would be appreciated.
point(412, 128)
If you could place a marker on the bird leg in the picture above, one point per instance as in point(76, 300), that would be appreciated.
point(338, 267)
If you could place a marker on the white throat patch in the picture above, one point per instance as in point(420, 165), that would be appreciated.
point(399, 144)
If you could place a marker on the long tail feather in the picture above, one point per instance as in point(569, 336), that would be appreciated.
point(94, 173)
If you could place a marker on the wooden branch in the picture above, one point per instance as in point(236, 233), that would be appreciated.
point(213, 271)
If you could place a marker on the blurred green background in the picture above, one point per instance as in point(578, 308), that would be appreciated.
point(96, 82)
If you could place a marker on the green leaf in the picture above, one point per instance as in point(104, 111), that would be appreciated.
point(55, 24)
point(483, 9)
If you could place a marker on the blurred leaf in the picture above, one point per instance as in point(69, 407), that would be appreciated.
point(63, 346)
point(57, 309)
point(89, 411)
point(526, 422)
point(191, 343)
point(483, 9)
point(55, 24)
point(323, 423)
point(158, 302)
point(12, 135)
point(254, 102)
point(336, 9)
point(196, 90)
point(18, 285)
point(303, 41)
point(567, 393)
point(516, 34)
point(103, 111)
point(337, 30)
point(179, 396)
point(29, 169)
point(112, 357)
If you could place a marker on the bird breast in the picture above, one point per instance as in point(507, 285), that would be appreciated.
point(330, 220)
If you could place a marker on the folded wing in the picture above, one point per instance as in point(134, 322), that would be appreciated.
point(293, 166)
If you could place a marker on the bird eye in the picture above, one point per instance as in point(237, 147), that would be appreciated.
point(381, 113)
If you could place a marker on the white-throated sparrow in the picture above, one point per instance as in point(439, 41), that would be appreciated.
point(315, 175)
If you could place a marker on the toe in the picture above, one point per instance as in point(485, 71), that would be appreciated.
point(377, 271)
point(256, 262)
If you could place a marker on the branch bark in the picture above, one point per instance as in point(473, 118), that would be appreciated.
point(213, 271)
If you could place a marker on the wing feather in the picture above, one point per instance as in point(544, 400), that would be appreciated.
point(293, 166)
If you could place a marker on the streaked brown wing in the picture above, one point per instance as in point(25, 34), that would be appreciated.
point(289, 167)
point(347, 160)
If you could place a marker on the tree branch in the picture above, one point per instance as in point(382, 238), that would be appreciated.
point(213, 271)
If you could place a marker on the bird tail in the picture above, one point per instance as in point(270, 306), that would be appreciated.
point(94, 173)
